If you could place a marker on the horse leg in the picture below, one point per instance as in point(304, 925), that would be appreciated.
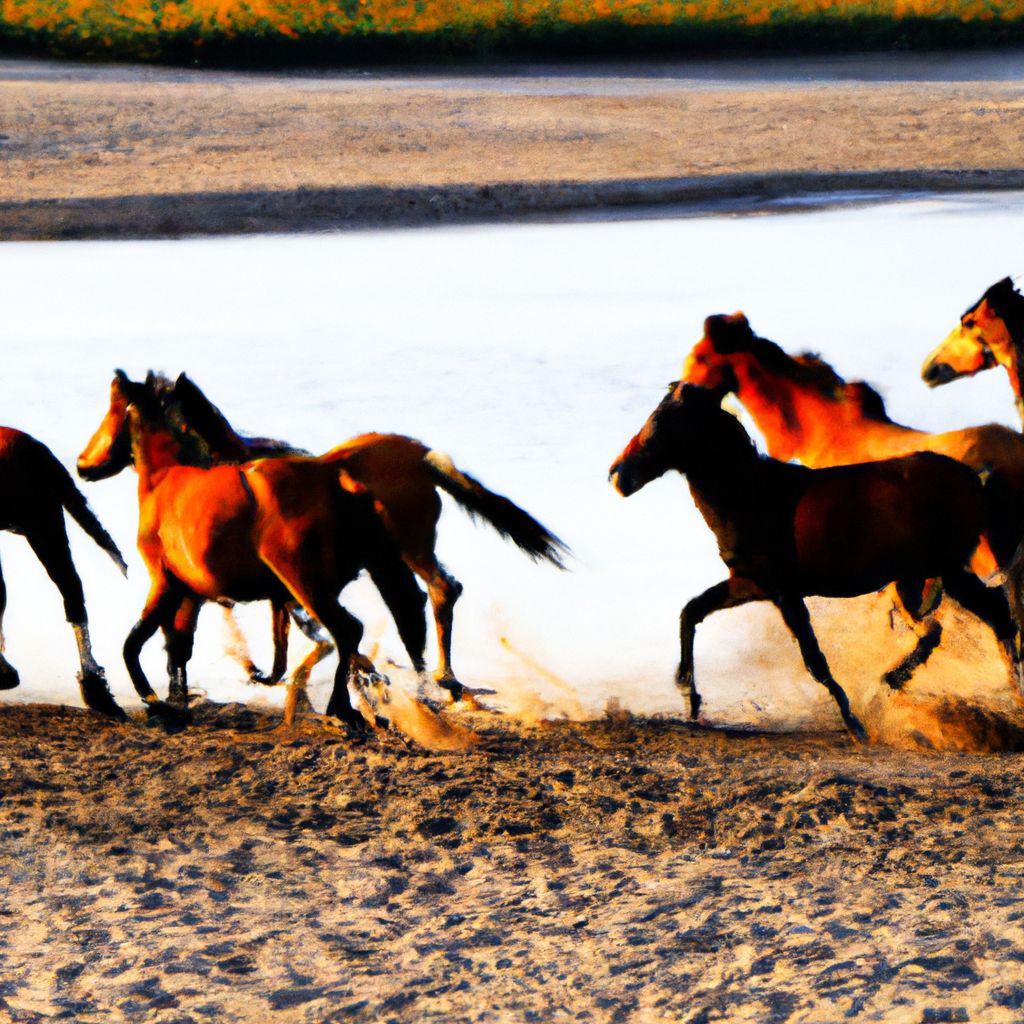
point(347, 631)
point(49, 541)
point(443, 590)
point(919, 602)
point(729, 593)
point(795, 615)
point(991, 605)
point(160, 610)
point(1013, 587)
point(9, 677)
point(180, 641)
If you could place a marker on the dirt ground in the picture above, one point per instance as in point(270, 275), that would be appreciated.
point(623, 869)
point(619, 870)
point(114, 151)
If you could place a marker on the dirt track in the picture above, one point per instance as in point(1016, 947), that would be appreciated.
point(621, 870)
point(128, 152)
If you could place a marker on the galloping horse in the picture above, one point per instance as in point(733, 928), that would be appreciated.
point(285, 530)
point(807, 412)
point(787, 532)
point(35, 491)
point(403, 476)
point(991, 333)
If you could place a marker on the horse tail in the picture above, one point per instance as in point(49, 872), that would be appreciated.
point(76, 505)
point(512, 522)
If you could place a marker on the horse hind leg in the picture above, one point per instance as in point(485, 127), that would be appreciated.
point(443, 590)
point(919, 599)
point(794, 614)
point(49, 542)
point(994, 607)
point(9, 677)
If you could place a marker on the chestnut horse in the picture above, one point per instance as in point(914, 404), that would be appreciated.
point(991, 333)
point(285, 530)
point(35, 492)
point(787, 532)
point(403, 475)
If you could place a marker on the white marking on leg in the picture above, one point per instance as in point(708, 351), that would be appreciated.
point(89, 663)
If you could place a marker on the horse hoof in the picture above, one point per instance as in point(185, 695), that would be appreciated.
point(9, 677)
point(456, 691)
point(97, 696)
point(352, 719)
point(895, 679)
point(857, 731)
point(170, 715)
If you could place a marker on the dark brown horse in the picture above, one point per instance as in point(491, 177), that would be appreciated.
point(285, 530)
point(35, 492)
point(806, 411)
point(990, 333)
point(787, 532)
point(404, 476)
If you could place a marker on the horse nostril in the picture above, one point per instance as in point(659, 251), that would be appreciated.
point(938, 373)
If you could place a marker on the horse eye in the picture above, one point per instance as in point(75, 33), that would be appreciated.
point(969, 323)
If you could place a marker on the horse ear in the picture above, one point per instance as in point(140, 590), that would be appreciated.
point(728, 333)
point(121, 377)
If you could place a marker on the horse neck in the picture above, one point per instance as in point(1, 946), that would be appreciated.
point(155, 450)
point(724, 480)
point(800, 422)
point(788, 415)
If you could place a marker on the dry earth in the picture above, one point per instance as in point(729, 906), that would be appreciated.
point(115, 151)
point(619, 870)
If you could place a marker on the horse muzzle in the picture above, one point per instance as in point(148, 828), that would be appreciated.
point(623, 481)
point(936, 373)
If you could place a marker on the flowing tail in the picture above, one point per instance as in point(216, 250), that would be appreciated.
point(75, 504)
point(506, 517)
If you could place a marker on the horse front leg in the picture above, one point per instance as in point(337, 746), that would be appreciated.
point(160, 610)
point(795, 615)
point(729, 593)
point(179, 645)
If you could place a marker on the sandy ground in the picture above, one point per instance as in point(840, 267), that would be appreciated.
point(621, 870)
point(114, 151)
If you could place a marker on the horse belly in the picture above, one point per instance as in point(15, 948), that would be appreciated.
point(856, 535)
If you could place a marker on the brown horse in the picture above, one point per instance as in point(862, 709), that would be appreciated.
point(991, 333)
point(35, 492)
point(284, 530)
point(807, 412)
point(403, 475)
point(787, 532)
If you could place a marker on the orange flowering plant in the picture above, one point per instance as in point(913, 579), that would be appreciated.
point(162, 29)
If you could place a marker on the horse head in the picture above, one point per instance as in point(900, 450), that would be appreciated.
point(710, 362)
point(688, 427)
point(110, 448)
point(988, 335)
